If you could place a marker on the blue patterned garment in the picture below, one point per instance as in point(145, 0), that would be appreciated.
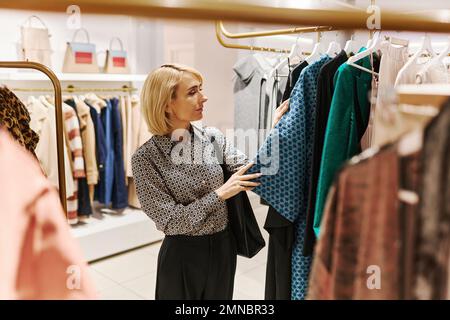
point(285, 180)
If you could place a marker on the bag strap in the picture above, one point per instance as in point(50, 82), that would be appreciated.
point(85, 32)
point(120, 42)
point(35, 17)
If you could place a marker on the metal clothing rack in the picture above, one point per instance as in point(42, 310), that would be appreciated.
point(268, 33)
point(220, 29)
point(71, 89)
point(58, 114)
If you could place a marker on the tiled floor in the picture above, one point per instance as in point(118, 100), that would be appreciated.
point(132, 275)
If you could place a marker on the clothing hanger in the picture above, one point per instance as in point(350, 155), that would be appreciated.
point(94, 98)
point(375, 45)
point(444, 53)
point(426, 47)
point(333, 48)
point(47, 101)
point(317, 51)
point(349, 45)
point(295, 52)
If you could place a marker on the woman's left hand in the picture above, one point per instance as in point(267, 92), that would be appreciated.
point(280, 111)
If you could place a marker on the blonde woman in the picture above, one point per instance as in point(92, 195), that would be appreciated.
point(180, 186)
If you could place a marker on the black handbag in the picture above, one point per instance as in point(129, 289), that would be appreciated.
point(242, 223)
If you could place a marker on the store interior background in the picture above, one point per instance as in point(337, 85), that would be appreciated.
point(153, 42)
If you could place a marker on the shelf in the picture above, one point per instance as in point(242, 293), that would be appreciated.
point(108, 234)
point(35, 76)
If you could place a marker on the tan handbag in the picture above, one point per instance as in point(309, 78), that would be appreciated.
point(116, 60)
point(35, 45)
point(80, 57)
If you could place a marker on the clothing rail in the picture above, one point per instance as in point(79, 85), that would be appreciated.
point(277, 32)
point(58, 114)
point(240, 10)
point(71, 88)
point(246, 47)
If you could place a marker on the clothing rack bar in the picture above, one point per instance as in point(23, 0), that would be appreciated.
point(71, 88)
point(239, 10)
point(245, 47)
point(255, 34)
point(58, 114)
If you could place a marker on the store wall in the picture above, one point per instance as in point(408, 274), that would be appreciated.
point(139, 37)
point(195, 44)
point(149, 43)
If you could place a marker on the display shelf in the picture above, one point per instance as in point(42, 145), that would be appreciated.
point(103, 235)
point(34, 76)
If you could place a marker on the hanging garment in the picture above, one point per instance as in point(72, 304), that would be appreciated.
point(285, 186)
point(273, 92)
point(44, 124)
point(124, 121)
point(75, 152)
point(422, 71)
point(409, 179)
point(103, 190)
point(293, 78)
point(139, 136)
point(279, 256)
point(347, 122)
point(72, 142)
point(72, 128)
point(127, 112)
point(84, 203)
point(435, 71)
point(250, 86)
point(433, 234)
point(100, 143)
point(281, 231)
point(37, 251)
point(392, 61)
point(15, 117)
point(325, 90)
point(119, 191)
point(88, 139)
point(89, 147)
point(361, 231)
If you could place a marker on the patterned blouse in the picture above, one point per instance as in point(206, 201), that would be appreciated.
point(175, 181)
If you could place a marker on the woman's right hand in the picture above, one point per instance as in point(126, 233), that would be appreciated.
point(238, 182)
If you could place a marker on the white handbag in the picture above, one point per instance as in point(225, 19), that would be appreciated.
point(80, 57)
point(116, 60)
point(35, 43)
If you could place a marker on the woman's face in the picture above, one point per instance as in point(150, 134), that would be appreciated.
point(188, 104)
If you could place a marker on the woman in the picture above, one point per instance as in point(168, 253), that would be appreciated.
point(186, 197)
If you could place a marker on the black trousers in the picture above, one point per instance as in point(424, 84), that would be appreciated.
point(278, 272)
point(196, 267)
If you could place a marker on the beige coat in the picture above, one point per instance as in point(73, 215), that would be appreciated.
point(88, 138)
point(140, 135)
point(44, 124)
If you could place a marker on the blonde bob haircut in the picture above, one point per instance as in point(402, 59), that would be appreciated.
point(159, 88)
